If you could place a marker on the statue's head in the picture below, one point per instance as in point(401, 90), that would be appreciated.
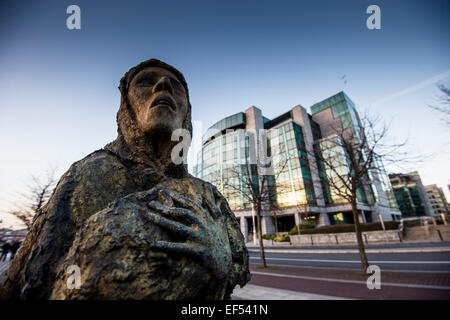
point(154, 101)
point(157, 97)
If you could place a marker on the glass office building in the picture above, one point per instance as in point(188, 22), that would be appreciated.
point(411, 195)
point(299, 183)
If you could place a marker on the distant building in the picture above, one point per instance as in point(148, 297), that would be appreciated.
point(437, 199)
point(7, 234)
point(302, 189)
point(411, 195)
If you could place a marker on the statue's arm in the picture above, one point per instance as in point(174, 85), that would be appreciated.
point(240, 260)
point(31, 272)
point(86, 188)
point(161, 236)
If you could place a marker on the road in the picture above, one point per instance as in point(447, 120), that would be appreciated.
point(325, 271)
point(415, 261)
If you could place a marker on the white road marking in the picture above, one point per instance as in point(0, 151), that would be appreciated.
point(342, 268)
point(356, 261)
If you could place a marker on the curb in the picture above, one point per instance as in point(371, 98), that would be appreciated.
point(325, 251)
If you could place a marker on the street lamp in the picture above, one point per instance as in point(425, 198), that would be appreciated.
point(255, 241)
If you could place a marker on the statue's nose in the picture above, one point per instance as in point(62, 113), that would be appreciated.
point(163, 84)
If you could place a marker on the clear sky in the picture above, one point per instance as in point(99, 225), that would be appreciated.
point(58, 87)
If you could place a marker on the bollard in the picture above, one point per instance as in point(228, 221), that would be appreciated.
point(335, 236)
point(443, 219)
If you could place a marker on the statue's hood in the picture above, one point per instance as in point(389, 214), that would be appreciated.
point(131, 143)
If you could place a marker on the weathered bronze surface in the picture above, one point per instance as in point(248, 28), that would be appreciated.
point(137, 225)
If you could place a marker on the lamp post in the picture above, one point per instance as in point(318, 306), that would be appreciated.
point(255, 240)
point(382, 222)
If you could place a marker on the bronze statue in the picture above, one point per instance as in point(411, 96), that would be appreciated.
point(136, 224)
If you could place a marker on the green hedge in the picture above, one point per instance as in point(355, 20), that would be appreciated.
point(341, 228)
point(303, 227)
point(414, 223)
point(268, 236)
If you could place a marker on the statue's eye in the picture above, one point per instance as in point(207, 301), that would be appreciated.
point(177, 85)
point(145, 83)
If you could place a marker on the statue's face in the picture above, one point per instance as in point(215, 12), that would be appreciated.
point(158, 99)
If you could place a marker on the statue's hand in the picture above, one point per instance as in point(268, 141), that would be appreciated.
point(201, 224)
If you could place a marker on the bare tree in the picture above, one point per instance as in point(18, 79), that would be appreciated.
point(349, 157)
point(257, 185)
point(443, 106)
point(30, 202)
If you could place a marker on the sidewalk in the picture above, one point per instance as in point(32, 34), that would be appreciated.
point(253, 292)
point(406, 279)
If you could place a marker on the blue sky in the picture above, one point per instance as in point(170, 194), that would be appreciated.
point(58, 87)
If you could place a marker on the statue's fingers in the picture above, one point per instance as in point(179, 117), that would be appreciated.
point(165, 197)
point(177, 247)
point(185, 201)
point(215, 210)
point(180, 213)
point(173, 226)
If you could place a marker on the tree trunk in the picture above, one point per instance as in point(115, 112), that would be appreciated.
point(276, 224)
point(260, 240)
point(361, 249)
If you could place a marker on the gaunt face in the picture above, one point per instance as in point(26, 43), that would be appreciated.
point(158, 100)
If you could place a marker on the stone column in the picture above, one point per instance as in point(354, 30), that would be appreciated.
point(324, 220)
point(244, 228)
point(253, 126)
point(298, 218)
point(267, 226)
point(361, 216)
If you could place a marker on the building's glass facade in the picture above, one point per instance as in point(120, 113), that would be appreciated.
point(343, 108)
point(225, 161)
point(410, 194)
point(291, 168)
point(300, 182)
point(437, 199)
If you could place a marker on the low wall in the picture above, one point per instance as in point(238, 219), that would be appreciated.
point(275, 243)
point(345, 238)
point(430, 232)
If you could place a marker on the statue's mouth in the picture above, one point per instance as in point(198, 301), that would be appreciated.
point(164, 101)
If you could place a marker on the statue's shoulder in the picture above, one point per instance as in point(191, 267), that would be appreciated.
point(203, 183)
point(101, 159)
point(100, 164)
point(92, 182)
point(208, 188)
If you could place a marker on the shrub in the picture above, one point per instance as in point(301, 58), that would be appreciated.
point(268, 236)
point(413, 223)
point(282, 238)
point(341, 228)
point(303, 226)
